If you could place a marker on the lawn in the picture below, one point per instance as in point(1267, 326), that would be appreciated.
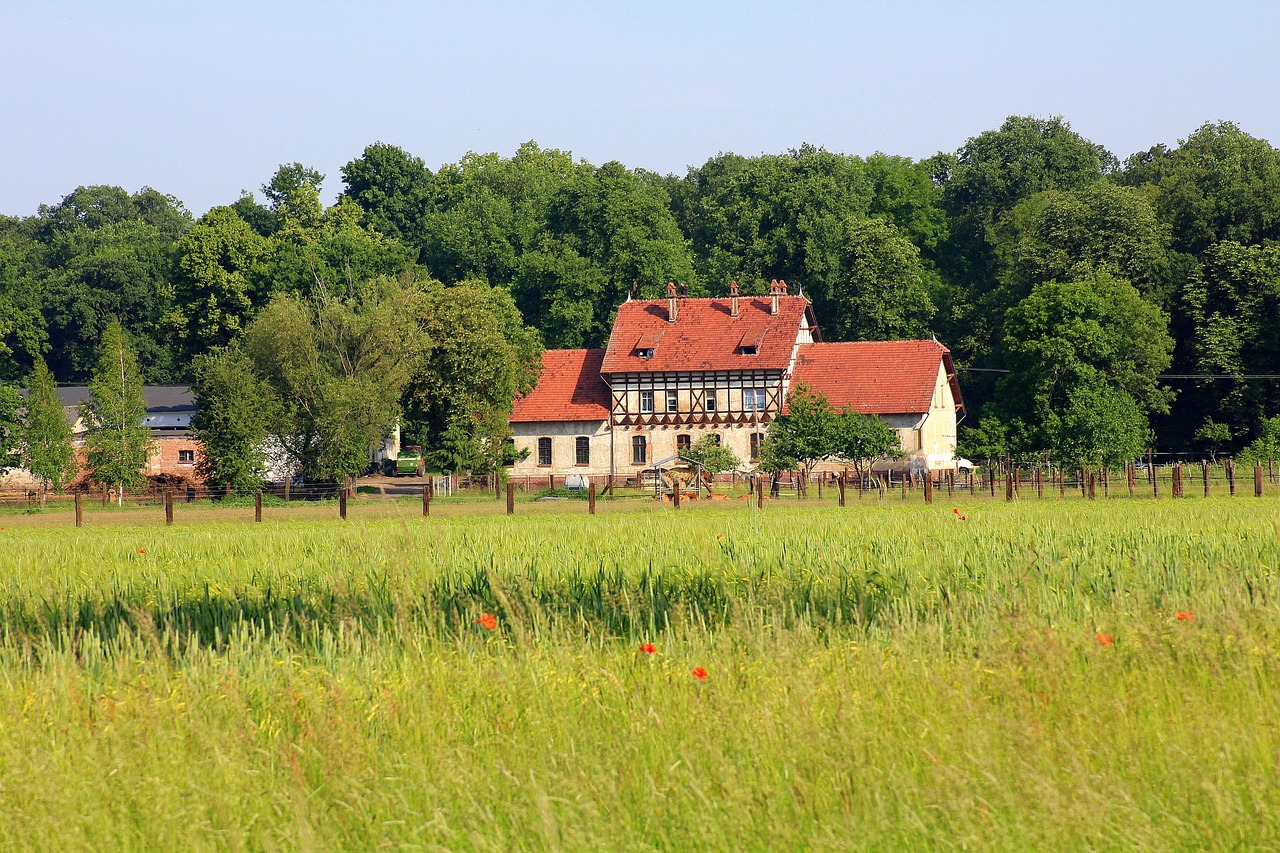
point(1056, 674)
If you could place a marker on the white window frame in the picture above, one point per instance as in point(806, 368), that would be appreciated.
point(754, 400)
point(710, 402)
point(646, 402)
point(673, 401)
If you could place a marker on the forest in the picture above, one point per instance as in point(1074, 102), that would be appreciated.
point(1095, 308)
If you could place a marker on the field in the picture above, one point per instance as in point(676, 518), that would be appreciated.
point(1052, 675)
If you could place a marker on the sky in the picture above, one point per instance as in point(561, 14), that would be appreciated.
point(204, 100)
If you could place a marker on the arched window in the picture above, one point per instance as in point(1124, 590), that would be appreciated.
point(683, 442)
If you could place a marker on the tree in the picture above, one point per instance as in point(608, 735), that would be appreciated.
point(477, 356)
point(393, 188)
point(802, 437)
point(337, 369)
point(10, 421)
point(1085, 357)
point(294, 191)
point(1266, 446)
point(1212, 436)
point(871, 285)
point(46, 437)
point(714, 457)
point(117, 444)
point(236, 411)
point(214, 293)
point(862, 439)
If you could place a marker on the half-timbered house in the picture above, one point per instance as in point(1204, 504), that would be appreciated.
point(677, 369)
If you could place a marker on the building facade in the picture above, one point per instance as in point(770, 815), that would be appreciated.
point(678, 369)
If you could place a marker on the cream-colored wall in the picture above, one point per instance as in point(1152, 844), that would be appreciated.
point(938, 433)
point(563, 435)
point(662, 443)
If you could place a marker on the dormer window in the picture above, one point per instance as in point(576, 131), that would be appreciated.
point(647, 344)
point(750, 342)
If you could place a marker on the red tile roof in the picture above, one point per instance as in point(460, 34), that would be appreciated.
point(705, 336)
point(876, 377)
point(570, 389)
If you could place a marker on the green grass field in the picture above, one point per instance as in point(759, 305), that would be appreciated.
point(881, 676)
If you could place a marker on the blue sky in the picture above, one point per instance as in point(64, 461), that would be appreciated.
point(203, 100)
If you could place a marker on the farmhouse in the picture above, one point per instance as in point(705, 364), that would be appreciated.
point(677, 369)
point(174, 451)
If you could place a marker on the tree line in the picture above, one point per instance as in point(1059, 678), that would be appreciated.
point(1075, 291)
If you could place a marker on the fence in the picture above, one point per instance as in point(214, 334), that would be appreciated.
point(1174, 481)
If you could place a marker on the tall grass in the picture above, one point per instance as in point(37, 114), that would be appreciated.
point(883, 676)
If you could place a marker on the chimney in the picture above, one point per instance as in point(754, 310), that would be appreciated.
point(673, 305)
point(733, 299)
point(775, 290)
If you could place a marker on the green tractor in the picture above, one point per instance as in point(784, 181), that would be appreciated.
point(409, 462)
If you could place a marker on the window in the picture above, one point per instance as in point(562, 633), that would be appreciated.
point(756, 439)
point(582, 450)
point(673, 401)
point(186, 457)
point(715, 439)
point(748, 349)
point(544, 451)
point(683, 442)
point(646, 402)
point(710, 405)
point(753, 400)
point(645, 353)
point(639, 450)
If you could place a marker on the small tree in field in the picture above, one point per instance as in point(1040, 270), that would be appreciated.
point(46, 439)
point(714, 457)
point(117, 444)
point(861, 439)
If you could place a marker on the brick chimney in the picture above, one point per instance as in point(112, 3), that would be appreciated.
point(733, 299)
point(673, 304)
point(775, 290)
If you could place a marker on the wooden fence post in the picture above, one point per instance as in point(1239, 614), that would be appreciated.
point(1177, 479)
point(1131, 474)
point(1204, 472)
point(760, 493)
point(1231, 477)
point(342, 504)
point(591, 498)
point(1008, 486)
point(426, 500)
point(1091, 494)
point(168, 508)
point(840, 485)
point(511, 498)
point(928, 487)
point(675, 495)
point(1257, 480)
point(257, 505)
point(79, 510)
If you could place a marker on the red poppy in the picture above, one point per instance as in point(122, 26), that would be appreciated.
point(699, 673)
point(142, 550)
point(1185, 616)
point(488, 621)
point(1104, 639)
point(955, 510)
point(962, 518)
point(648, 648)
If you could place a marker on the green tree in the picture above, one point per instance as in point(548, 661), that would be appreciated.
point(394, 189)
point(337, 369)
point(236, 412)
point(117, 444)
point(1085, 357)
point(1266, 446)
point(803, 436)
point(871, 285)
point(1213, 436)
point(46, 437)
point(214, 293)
point(713, 456)
point(861, 440)
point(478, 355)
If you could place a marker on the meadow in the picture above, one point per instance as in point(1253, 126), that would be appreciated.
point(1060, 674)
